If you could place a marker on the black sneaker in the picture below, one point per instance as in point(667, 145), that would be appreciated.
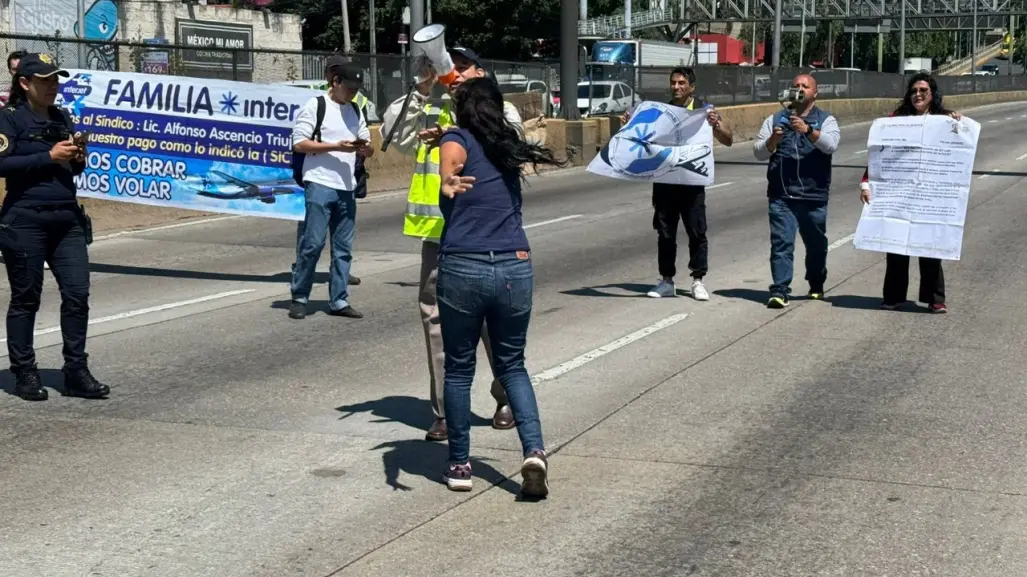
point(458, 477)
point(815, 295)
point(535, 475)
point(29, 386)
point(353, 280)
point(297, 310)
point(777, 302)
point(348, 311)
point(82, 383)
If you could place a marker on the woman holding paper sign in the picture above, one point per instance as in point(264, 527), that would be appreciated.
point(922, 97)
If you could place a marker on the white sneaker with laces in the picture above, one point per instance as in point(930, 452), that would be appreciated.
point(699, 291)
point(663, 290)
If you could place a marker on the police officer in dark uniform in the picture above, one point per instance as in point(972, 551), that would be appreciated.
point(41, 221)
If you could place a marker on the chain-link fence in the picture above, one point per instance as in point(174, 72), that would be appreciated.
point(388, 75)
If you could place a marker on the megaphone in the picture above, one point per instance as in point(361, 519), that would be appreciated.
point(432, 41)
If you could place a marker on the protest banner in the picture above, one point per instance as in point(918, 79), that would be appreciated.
point(920, 169)
point(660, 143)
point(190, 143)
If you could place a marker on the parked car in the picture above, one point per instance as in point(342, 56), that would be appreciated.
point(607, 97)
point(513, 83)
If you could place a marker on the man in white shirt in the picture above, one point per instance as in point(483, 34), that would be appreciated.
point(329, 178)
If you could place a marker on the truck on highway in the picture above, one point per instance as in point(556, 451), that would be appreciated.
point(626, 61)
point(914, 65)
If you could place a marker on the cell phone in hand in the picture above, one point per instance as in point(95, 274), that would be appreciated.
point(81, 138)
point(359, 143)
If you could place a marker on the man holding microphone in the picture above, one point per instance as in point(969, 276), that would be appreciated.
point(799, 143)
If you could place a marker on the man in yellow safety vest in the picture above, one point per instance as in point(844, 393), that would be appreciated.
point(421, 126)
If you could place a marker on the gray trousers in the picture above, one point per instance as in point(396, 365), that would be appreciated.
point(433, 332)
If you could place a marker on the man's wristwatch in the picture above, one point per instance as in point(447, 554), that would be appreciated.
point(809, 130)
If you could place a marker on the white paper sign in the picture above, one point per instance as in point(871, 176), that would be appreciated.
point(661, 143)
point(920, 169)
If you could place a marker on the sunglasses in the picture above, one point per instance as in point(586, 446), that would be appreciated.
point(919, 90)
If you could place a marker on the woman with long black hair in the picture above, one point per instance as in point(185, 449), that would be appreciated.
point(922, 97)
point(485, 273)
point(41, 222)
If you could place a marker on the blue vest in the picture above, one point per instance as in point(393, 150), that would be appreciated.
point(798, 169)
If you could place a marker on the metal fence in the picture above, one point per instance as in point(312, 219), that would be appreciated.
point(387, 74)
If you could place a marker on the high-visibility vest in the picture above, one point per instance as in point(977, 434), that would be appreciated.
point(361, 101)
point(423, 217)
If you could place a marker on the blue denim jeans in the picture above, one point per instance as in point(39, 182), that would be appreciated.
point(473, 289)
point(809, 219)
point(328, 212)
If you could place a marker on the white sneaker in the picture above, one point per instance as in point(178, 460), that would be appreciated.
point(663, 290)
point(699, 291)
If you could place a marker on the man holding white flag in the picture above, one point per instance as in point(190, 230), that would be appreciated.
point(670, 145)
point(674, 203)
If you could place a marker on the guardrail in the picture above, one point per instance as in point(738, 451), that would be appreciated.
point(963, 65)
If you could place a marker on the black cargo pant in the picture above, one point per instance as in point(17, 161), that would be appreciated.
point(54, 235)
point(896, 280)
point(673, 203)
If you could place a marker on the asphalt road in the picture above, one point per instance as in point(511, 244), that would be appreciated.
point(698, 438)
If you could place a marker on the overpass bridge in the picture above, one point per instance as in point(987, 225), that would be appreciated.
point(920, 15)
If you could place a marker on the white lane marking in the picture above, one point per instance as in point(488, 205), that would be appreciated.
point(579, 361)
point(990, 121)
point(861, 152)
point(1009, 118)
point(552, 221)
point(729, 183)
point(984, 176)
point(840, 242)
point(1022, 156)
point(166, 227)
point(1023, 116)
point(148, 310)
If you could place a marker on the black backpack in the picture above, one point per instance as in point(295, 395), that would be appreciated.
point(298, 157)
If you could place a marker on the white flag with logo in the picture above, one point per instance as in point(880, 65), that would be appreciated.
point(660, 143)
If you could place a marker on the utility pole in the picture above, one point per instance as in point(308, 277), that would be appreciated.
point(82, 34)
point(373, 46)
point(802, 35)
point(568, 59)
point(346, 46)
point(775, 61)
point(902, 38)
point(416, 23)
point(973, 52)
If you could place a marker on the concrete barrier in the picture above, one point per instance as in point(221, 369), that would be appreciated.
point(579, 140)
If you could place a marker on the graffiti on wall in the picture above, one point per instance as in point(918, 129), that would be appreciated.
point(60, 18)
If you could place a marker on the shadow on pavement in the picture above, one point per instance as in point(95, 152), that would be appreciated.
point(428, 460)
point(756, 296)
point(282, 277)
point(862, 302)
point(314, 306)
point(410, 411)
point(637, 290)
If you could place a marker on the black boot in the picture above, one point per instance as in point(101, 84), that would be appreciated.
point(81, 383)
point(29, 386)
